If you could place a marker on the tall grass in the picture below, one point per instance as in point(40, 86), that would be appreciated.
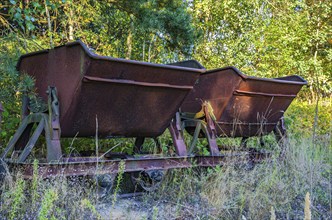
point(274, 189)
point(235, 192)
point(59, 198)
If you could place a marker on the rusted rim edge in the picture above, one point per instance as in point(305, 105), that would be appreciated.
point(99, 57)
point(245, 123)
point(137, 83)
point(246, 77)
point(247, 93)
point(280, 80)
point(276, 80)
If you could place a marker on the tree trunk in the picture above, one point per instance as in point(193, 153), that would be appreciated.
point(130, 38)
point(49, 24)
point(150, 46)
point(71, 25)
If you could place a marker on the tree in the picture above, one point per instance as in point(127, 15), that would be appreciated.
point(127, 29)
point(268, 38)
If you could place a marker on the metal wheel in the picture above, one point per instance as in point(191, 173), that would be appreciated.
point(104, 184)
point(147, 180)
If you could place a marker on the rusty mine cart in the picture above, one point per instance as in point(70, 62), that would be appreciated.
point(87, 95)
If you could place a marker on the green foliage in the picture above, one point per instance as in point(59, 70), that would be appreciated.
point(300, 118)
point(47, 204)
point(23, 16)
point(155, 213)
point(17, 199)
point(117, 28)
point(118, 181)
point(87, 204)
point(9, 79)
point(268, 39)
point(12, 83)
point(58, 198)
point(35, 183)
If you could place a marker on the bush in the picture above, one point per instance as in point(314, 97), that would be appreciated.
point(300, 118)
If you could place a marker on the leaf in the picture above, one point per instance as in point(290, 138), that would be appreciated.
point(5, 113)
point(17, 16)
point(30, 26)
point(35, 4)
point(3, 133)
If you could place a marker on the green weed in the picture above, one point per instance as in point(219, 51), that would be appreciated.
point(118, 181)
point(87, 204)
point(47, 204)
point(17, 199)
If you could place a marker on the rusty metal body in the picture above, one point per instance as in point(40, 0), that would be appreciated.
point(129, 98)
point(244, 106)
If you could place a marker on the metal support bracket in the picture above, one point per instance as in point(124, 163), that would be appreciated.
point(210, 133)
point(198, 128)
point(176, 133)
point(49, 123)
point(54, 148)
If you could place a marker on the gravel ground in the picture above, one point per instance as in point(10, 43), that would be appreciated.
point(126, 208)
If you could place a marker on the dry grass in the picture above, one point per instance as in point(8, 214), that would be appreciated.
point(229, 192)
point(235, 192)
point(51, 199)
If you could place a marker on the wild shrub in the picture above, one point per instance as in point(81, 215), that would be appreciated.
point(56, 198)
point(233, 191)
